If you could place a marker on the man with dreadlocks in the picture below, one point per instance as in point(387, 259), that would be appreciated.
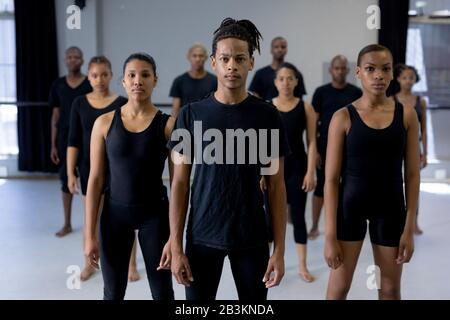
point(226, 214)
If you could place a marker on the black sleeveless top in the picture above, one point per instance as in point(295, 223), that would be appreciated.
point(136, 161)
point(295, 124)
point(375, 154)
point(417, 107)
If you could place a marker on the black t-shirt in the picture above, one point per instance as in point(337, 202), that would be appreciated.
point(326, 101)
point(189, 89)
point(263, 84)
point(82, 119)
point(226, 201)
point(62, 96)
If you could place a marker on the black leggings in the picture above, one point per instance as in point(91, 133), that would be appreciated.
point(296, 199)
point(117, 226)
point(248, 267)
point(295, 170)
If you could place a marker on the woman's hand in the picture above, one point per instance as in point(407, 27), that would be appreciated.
point(333, 253)
point(166, 257)
point(309, 182)
point(92, 252)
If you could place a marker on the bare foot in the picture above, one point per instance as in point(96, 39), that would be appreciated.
point(313, 234)
point(306, 276)
point(133, 274)
point(418, 231)
point(87, 272)
point(64, 231)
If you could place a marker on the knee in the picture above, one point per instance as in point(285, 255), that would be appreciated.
point(389, 291)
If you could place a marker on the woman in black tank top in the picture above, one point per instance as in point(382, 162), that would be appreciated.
point(85, 110)
point(369, 141)
point(406, 77)
point(297, 116)
point(129, 145)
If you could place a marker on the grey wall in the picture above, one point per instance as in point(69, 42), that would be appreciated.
point(316, 30)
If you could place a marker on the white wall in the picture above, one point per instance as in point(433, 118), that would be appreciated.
point(316, 30)
point(85, 38)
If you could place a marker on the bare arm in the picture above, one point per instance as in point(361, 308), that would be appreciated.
point(276, 190)
point(54, 132)
point(336, 136)
point(179, 197)
point(412, 184)
point(412, 173)
point(96, 174)
point(423, 130)
point(311, 129)
point(176, 106)
point(72, 157)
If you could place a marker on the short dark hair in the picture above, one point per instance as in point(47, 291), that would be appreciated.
point(289, 66)
point(142, 56)
point(240, 29)
point(400, 67)
point(100, 60)
point(371, 48)
point(74, 48)
point(276, 39)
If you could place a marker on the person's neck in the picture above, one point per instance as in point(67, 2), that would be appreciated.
point(230, 96)
point(276, 63)
point(100, 94)
point(75, 74)
point(338, 85)
point(405, 92)
point(139, 107)
point(374, 101)
point(284, 99)
point(197, 73)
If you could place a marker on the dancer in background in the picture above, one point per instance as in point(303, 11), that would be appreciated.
point(62, 93)
point(194, 84)
point(130, 144)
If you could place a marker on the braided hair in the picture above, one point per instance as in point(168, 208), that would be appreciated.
point(240, 29)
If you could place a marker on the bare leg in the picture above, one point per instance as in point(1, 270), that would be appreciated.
point(67, 204)
point(390, 272)
point(303, 269)
point(133, 274)
point(317, 205)
point(341, 278)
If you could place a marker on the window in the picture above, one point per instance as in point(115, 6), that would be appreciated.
point(428, 50)
point(8, 111)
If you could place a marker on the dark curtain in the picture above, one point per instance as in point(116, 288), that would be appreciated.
point(37, 68)
point(394, 31)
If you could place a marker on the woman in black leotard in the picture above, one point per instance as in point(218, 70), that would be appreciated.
point(85, 110)
point(368, 142)
point(406, 77)
point(130, 143)
point(297, 117)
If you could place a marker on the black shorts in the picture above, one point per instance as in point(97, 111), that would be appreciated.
point(382, 206)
